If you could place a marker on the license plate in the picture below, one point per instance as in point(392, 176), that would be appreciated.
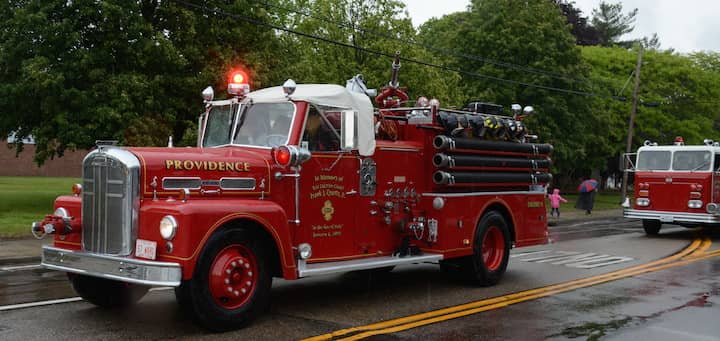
point(145, 249)
point(666, 218)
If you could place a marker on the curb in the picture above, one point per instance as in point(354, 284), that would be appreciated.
point(20, 260)
point(574, 220)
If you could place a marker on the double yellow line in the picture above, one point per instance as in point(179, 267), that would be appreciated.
point(694, 252)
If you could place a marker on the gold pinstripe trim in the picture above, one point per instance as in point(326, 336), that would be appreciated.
point(67, 243)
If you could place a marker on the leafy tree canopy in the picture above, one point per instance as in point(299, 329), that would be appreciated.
point(73, 72)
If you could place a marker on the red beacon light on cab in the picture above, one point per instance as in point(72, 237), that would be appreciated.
point(679, 141)
point(238, 83)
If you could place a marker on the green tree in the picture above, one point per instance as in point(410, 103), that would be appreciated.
point(585, 34)
point(355, 37)
point(611, 23)
point(77, 71)
point(523, 52)
point(677, 96)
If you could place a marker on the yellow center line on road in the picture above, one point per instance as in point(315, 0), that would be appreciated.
point(700, 250)
point(463, 313)
point(501, 301)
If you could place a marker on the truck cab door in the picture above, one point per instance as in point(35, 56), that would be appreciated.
point(328, 189)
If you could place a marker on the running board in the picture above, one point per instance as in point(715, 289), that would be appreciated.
point(316, 269)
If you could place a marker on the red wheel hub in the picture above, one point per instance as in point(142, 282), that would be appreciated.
point(233, 276)
point(493, 248)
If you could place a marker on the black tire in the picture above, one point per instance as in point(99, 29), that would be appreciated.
point(206, 300)
point(651, 227)
point(107, 293)
point(491, 250)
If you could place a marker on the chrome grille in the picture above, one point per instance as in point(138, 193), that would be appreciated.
point(110, 201)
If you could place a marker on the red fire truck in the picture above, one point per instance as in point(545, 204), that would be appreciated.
point(676, 184)
point(299, 181)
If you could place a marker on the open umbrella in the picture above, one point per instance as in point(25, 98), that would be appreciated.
point(587, 186)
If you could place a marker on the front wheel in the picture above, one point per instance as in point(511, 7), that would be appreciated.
point(107, 293)
point(231, 283)
point(651, 227)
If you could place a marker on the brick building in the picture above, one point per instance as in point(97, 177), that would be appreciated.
point(70, 165)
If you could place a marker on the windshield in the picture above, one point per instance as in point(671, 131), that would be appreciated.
point(265, 124)
point(219, 121)
point(681, 160)
point(696, 160)
point(261, 124)
point(653, 160)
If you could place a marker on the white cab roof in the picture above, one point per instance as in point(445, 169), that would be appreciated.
point(332, 96)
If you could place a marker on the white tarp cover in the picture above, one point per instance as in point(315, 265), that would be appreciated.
point(332, 96)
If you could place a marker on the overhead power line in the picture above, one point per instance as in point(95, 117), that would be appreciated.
point(215, 11)
point(507, 65)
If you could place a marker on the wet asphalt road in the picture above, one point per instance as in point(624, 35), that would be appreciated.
point(681, 302)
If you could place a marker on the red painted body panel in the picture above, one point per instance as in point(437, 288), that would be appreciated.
point(199, 218)
point(670, 191)
point(71, 240)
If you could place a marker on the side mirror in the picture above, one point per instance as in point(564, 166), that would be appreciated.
point(349, 131)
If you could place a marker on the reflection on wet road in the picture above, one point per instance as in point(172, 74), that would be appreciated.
point(671, 277)
point(693, 253)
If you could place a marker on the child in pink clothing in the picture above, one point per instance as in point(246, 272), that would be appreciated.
point(555, 200)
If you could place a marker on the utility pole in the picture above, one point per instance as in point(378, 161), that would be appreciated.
point(633, 110)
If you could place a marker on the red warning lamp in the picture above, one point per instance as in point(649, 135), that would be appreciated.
point(238, 83)
point(679, 141)
point(282, 157)
point(290, 155)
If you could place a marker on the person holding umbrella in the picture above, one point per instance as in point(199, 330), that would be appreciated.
point(586, 200)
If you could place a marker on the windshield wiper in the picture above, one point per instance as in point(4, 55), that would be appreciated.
point(702, 165)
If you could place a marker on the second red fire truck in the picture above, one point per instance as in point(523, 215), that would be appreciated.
point(300, 181)
point(676, 184)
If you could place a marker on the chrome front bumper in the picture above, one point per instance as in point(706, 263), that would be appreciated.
point(672, 217)
point(112, 267)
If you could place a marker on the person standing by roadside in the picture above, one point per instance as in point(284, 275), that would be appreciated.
point(586, 199)
point(555, 200)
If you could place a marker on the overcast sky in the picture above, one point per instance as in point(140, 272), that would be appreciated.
point(685, 25)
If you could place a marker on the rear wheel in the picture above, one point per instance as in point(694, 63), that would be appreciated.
point(107, 293)
point(651, 227)
point(491, 251)
point(231, 283)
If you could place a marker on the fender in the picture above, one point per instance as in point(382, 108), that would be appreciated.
point(199, 219)
point(506, 211)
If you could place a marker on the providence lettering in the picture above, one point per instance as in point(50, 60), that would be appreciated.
point(207, 165)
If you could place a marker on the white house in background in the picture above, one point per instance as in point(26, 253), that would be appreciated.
point(26, 140)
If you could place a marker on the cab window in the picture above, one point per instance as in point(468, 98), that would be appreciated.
point(218, 126)
point(692, 160)
point(322, 130)
point(265, 124)
point(653, 160)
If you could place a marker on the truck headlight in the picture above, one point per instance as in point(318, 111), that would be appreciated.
point(695, 204)
point(168, 227)
point(642, 202)
point(304, 250)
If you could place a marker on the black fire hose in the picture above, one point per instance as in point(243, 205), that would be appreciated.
point(443, 142)
point(452, 178)
point(442, 160)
